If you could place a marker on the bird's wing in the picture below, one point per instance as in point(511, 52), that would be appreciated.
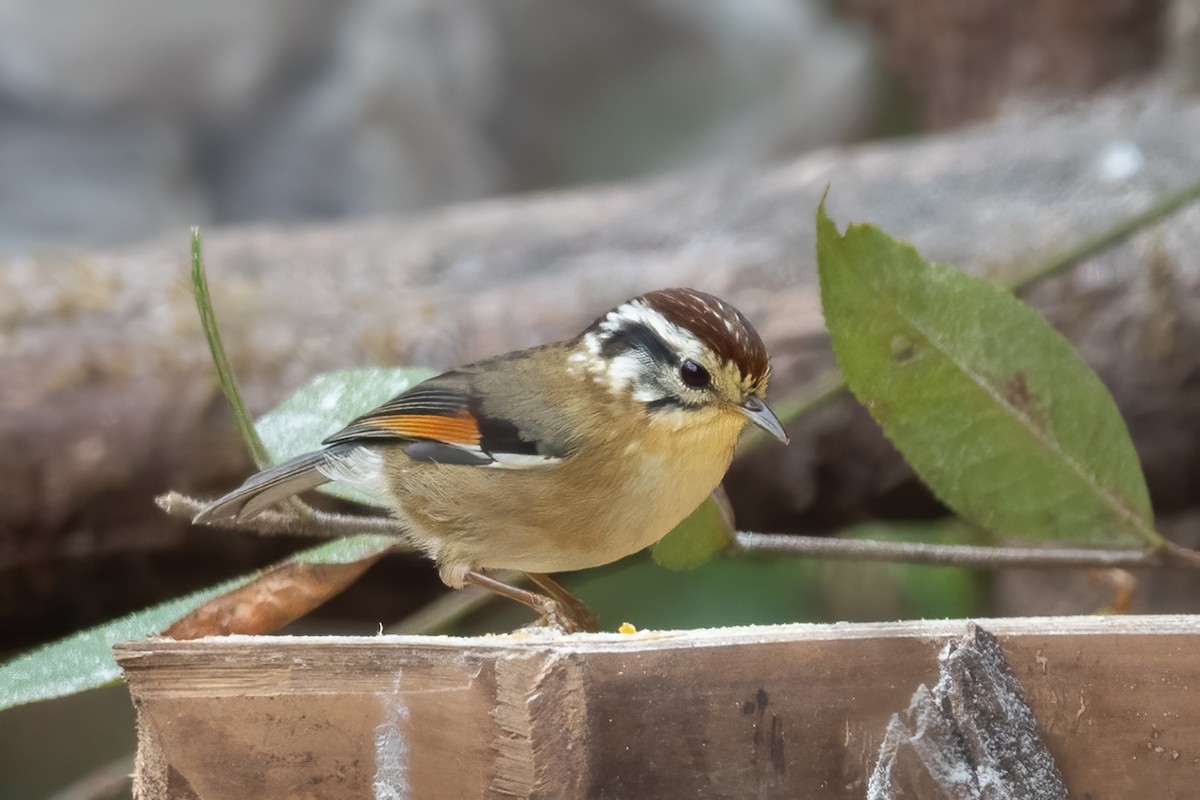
point(442, 420)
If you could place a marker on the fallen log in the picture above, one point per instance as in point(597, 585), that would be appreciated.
point(108, 397)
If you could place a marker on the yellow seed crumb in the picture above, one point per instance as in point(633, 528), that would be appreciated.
point(626, 628)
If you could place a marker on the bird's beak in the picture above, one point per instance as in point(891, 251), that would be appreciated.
point(761, 415)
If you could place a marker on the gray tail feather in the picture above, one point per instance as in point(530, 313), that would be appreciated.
point(273, 485)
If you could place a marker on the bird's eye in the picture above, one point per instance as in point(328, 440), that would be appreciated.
point(694, 375)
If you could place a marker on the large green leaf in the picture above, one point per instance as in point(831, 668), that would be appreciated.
point(84, 660)
point(324, 406)
point(992, 407)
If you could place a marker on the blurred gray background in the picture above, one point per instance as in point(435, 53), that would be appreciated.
point(129, 118)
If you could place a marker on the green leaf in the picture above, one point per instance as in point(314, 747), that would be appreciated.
point(84, 660)
point(324, 406)
point(704, 532)
point(346, 550)
point(991, 406)
point(861, 591)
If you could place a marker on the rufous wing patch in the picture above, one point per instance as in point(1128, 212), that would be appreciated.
point(458, 429)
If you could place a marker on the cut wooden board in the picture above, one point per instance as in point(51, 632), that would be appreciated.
point(779, 711)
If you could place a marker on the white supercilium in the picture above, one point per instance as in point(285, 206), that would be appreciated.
point(625, 369)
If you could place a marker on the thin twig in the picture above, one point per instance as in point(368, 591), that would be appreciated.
point(439, 614)
point(327, 526)
point(106, 781)
point(316, 524)
point(1177, 554)
point(960, 555)
point(1102, 241)
point(434, 617)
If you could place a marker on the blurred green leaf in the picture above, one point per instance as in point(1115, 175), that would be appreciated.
point(84, 660)
point(991, 406)
point(705, 532)
point(723, 591)
point(324, 406)
point(868, 591)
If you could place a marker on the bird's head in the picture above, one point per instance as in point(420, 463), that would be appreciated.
point(686, 356)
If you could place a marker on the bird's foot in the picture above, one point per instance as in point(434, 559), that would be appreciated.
point(563, 612)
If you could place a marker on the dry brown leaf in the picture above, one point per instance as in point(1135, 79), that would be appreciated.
point(278, 596)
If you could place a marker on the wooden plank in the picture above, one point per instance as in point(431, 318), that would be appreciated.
point(777, 711)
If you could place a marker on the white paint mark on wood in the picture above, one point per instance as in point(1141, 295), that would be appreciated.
point(391, 750)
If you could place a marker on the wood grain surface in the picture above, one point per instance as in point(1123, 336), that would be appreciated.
point(777, 711)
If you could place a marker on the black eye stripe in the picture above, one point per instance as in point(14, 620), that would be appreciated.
point(670, 401)
point(637, 336)
point(640, 338)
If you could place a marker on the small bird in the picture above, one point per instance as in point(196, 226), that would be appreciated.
point(555, 458)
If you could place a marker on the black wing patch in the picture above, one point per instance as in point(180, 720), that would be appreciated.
point(441, 421)
point(441, 453)
point(503, 436)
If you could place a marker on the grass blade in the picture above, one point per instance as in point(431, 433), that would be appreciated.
point(208, 320)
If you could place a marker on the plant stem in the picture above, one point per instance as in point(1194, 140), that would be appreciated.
point(212, 334)
point(439, 615)
point(311, 523)
point(1112, 237)
point(325, 525)
point(958, 555)
point(108, 780)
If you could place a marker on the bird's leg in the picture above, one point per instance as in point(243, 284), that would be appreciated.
point(550, 611)
point(579, 611)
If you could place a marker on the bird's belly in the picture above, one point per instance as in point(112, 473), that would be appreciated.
point(518, 520)
point(579, 536)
